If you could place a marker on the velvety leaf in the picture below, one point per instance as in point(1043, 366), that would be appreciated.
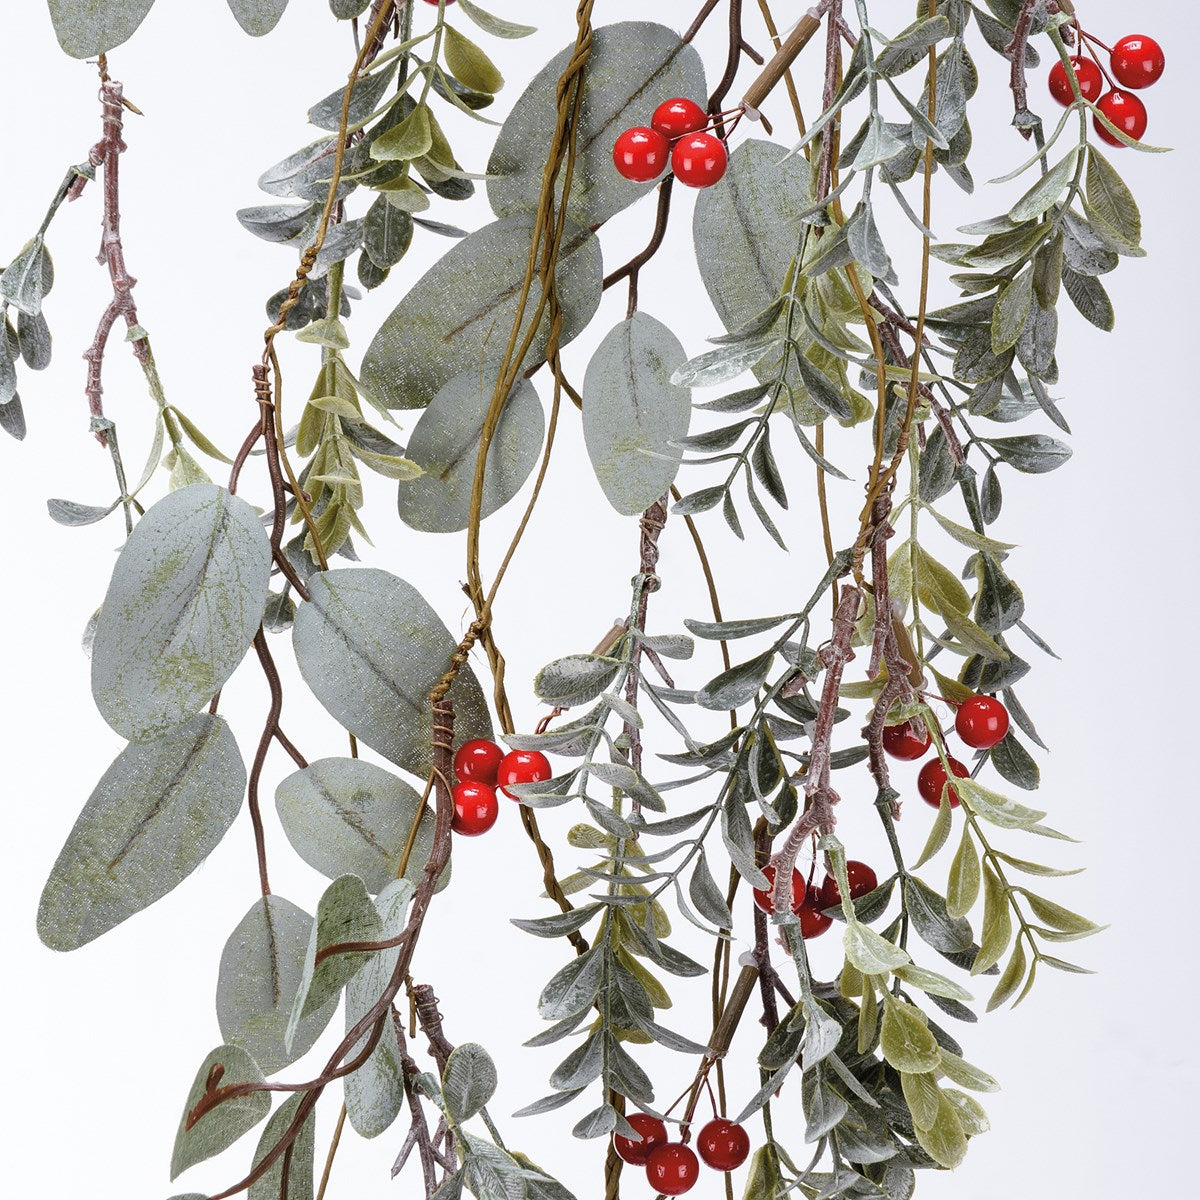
point(185, 600)
point(261, 968)
point(633, 415)
point(630, 62)
point(259, 17)
point(345, 816)
point(469, 1081)
point(445, 444)
point(85, 28)
point(371, 649)
point(299, 1186)
point(458, 315)
point(945, 1141)
point(1110, 201)
point(155, 816)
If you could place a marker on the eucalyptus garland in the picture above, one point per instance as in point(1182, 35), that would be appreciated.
point(862, 1085)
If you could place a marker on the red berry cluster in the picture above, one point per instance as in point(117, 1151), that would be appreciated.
point(981, 722)
point(672, 1168)
point(809, 901)
point(677, 131)
point(1136, 61)
point(481, 767)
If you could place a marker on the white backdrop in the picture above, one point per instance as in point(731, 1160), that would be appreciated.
point(102, 1044)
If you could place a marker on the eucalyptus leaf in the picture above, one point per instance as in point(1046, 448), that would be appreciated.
point(257, 18)
point(85, 28)
point(299, 1162)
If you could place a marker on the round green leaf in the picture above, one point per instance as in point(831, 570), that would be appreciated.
point(445, 443)
point(182, 608)
point(155, 816)
point(85, 28)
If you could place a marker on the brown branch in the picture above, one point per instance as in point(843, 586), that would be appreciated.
point(1015, 52)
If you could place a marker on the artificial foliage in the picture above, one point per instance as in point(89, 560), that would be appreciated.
point(795, 141)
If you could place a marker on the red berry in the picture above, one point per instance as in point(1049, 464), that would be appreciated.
point(763, 898)
point(522, 766)
point(448, 2)
point(723, 1145)
point(672, 1169)
point(1125, 111)
point(982, 722)
point(1137, 61)
point(932, 780)
point(901, 741)
point(1091, 81)
point(813, 922)
point(478, 760)
point(860, 877)
point(699, 159)
point(475, 808)
point(653, 1134)
point(674, 118)
point(641, 154)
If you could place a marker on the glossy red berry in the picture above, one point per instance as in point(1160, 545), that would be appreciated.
point(521, 766)
point(673, 1169)
point(636, 1151)
point(723, 1145)
point(699, 159)
point(1137, 61)
point(641, 154)
point(475, 808)
point(1091, 81)
point(764, 899)
point(932, 780)
point(901, 741)
point(813, 922)
point(674, 118)
point(478, 759)
point(1125, 111)
point(860, 877)
point(981, 722)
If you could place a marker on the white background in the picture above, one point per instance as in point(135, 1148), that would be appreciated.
point(102, 1044)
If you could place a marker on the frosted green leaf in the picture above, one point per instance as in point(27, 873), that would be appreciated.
point(300, 1162)
point(85, 28)
point(375, 1092)
point(371, 649)
point(871, 953)
point(185, 599)
point(633, 65)
point(459, 314)
point(905, 1039)
point(261, 968)
point(633, 415)
point(469, 1081)
point(223, 1124)
point(345, 914)
point(155, 816)
point(258, 17)
point(445, 444)
point(344, 816)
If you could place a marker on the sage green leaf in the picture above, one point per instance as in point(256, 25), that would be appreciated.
point(371, 649)
point(1090, 298)
point(630, 63)
point(23, 282)
point(965, 1075)
point(962, 888)
point(494, 25)
point(259, 17)
point(993, 807)
point(575, 679)
point(905, 1039)
point(752, 214)
point(707, 896)
point(445, 444)
point(970, 1112)
point(85, 28)
point(910, 46)
point(938, 833)
point(945, 1141)
point(996, 931)
point(823, 1107)
point(346, 10)
point(1032, 868)
point(261, 968)
point(1110, 203)
point(457, 317)
point(633, 415)
point(223, 1124)
point(921, 1094)
point(409, 139)
point(345, 816)
point(1044, 194)
point(469, 1081)
point(932, 983)
point(1010, 978)
point(387, 233)
point(1015, 763)
point(870, 952)
point(1011, 312)
point(299, 1186)
point(765, 1179)
point(469, 64)
point(155, 816)
point(185, 600)
point(375, 1092)
point(345, 913)
point(933, 923)
point(1032, 453)
point(572, 990)
point(1057, 916)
